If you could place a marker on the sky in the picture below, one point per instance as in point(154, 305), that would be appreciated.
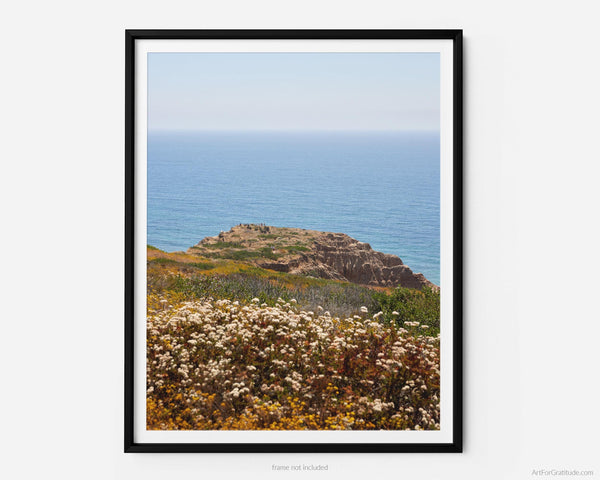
point(293, 91)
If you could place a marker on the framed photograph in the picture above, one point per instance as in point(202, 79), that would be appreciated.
point(293, 272)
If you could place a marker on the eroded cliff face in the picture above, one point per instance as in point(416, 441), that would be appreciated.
point(309, 252)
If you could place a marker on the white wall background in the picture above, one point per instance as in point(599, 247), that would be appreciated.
point(532, 199)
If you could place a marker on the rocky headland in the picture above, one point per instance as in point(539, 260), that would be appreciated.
point(297, 251)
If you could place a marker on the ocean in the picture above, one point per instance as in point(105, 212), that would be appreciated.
point(382, 188)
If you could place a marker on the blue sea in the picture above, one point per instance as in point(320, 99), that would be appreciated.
point(378, 187)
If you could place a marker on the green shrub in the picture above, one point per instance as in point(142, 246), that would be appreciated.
point(218, 245)
point(267, 252)
point(202, 266)
point(241, 254)
point(163, 261)
point(411, 305)
point(297, 248)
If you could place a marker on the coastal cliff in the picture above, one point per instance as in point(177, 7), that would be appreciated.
point(335, 256)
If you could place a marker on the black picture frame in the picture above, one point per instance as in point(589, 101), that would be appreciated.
point(455, 36)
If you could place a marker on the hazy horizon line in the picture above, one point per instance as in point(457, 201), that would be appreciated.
point(289, 130)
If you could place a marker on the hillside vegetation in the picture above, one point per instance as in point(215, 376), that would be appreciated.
point(235, 346)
